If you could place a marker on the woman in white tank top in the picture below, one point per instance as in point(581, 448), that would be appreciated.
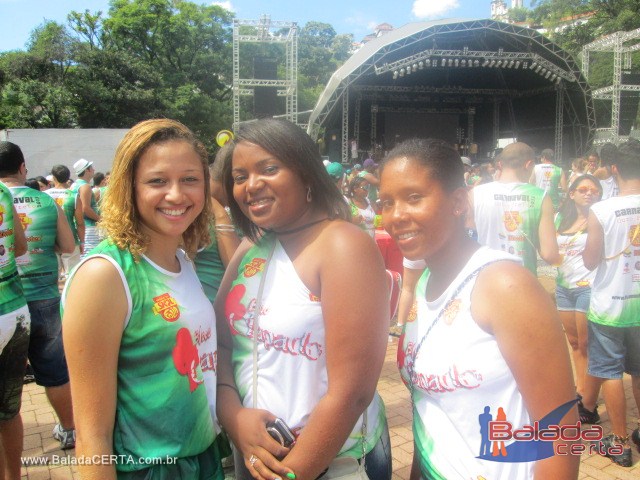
point(483, 325)
point(321, 333)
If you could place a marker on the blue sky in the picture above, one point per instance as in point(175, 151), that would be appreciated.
point(19, 17)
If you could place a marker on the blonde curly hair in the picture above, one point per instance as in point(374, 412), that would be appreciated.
point(120, 219)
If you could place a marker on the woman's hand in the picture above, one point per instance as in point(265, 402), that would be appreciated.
point(259, 450)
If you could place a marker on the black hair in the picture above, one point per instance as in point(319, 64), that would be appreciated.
point(485, 175)
point(223, 156)
point(32, 183)
point(628, 160)
point(355, 182)
point(567, 211)
point(293, 147)
point(11, 158)
point(441, 160)
point(608, 153)
point(61, 173)
point(98, 178)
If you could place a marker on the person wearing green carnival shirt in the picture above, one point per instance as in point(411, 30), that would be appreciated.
point(47, 232)
point(14, 336)
point(549, 177)
point(139, 330)
point(613, 246)
point(512, 215)
point(84, 170)
point(70, 203)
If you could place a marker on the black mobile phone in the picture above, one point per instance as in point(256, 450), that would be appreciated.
point(281, 433)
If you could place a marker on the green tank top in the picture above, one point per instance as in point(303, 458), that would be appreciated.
point(209, 267)
point(11, 293)
point(39, 266)
point(66, 199)
point(166, 361)
point(89, 222)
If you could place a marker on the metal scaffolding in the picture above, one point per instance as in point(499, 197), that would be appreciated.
point(481, 69)
point(622, 45)
point(267, 31)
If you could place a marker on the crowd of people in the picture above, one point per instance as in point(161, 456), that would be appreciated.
point(238, 310)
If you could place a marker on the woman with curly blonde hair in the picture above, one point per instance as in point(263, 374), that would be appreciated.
point(136, 309)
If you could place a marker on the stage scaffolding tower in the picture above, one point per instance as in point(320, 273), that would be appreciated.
point(622, 45)
point(267, 31)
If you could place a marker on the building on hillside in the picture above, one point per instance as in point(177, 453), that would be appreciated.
point(379, 31)
point(499, 10)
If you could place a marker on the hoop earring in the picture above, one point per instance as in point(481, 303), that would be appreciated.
point(309, 195)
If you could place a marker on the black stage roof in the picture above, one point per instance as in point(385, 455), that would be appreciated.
point(468, 81)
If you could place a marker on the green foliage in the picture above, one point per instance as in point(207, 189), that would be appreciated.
point(145, 59)
point(36, 104)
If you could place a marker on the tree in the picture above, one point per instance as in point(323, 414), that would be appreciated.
point(52, 43)
point(36, 104)
point(113, 89)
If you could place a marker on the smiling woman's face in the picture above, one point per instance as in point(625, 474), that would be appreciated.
point(416, 210)
point(269, 193)
point(170, 189)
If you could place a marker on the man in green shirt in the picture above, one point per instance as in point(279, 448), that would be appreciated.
point(14, 336)
point(47, 232)
point(71, 205)
point(84, 170)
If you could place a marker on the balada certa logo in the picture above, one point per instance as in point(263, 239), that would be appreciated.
point(503, 442)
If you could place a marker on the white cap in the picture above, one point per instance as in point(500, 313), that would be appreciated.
point(81, 165)
point(466, 161)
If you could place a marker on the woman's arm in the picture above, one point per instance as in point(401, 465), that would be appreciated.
point(227, 239)
point(510, 303)
point(245, 426)
point(94, 314)
point(355, 307)
point(547, 234)
point(593, 250)
point(410, 279)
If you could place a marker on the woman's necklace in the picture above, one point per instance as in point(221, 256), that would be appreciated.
point(298, 229)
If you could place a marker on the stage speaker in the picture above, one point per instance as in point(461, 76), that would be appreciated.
point(265, 99)
point(628, 102)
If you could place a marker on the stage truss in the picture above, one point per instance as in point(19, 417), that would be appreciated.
point(622, 45)
point(267, 31)
point(370, 79)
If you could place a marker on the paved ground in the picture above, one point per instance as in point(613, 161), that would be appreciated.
point(39, 421)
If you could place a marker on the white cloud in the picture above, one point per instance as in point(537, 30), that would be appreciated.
point(431, 9)
point(226, 5)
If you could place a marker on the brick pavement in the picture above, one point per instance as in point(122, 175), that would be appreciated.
point(39, 420)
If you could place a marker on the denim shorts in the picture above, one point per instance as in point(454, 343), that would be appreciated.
point(13, 361)
point(46, 353)
point(613, 351)
point(573, 299)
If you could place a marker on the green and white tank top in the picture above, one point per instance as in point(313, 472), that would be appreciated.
point(209, 267)
point(11, 293)
point(572, 273)
point(507, 218)
point(89, 222)
point(167, 362)
point(67, 200)
point(458, 373)
point(38, 267)
point(615, 294)
point(292, 359)
point(547, 177)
